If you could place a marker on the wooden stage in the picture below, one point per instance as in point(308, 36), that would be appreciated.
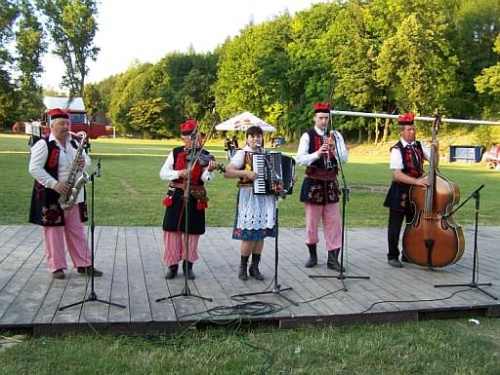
point(131, 259)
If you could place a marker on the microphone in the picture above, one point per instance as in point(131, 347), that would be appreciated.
point(98, 171)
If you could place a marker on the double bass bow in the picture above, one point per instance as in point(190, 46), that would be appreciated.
point(432, 239)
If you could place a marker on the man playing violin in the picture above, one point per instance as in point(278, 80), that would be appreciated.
point(407, 159)
point(175, 170)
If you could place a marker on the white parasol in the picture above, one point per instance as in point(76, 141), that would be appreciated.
point(243, 121)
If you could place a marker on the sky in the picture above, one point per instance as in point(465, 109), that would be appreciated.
point(147, 30)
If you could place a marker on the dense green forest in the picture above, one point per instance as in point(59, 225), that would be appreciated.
point(388, 56)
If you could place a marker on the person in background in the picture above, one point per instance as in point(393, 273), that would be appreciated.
point(407, 159)
point(255, 213)
point(235, 142)
point(321, 153)
point(229, 148)
point(51, 163)
point(174, 222)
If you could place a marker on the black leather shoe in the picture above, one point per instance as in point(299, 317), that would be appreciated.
point(332, 261)
point(242, 274)
point(253, 270)
point(58, 275)
point(395, 263)
point(313, 256)
point(89, 271)
point(172, 271)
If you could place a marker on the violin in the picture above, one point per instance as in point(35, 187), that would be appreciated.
point(203, 157)
point(432, 239)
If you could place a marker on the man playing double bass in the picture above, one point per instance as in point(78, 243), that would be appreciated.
point(407, 159)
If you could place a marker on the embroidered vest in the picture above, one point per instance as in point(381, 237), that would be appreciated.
point(45, 209)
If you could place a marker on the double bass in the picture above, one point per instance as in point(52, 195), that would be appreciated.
point(432, 239)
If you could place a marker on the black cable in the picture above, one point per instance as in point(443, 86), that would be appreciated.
point(247, 309)
point(413, 301)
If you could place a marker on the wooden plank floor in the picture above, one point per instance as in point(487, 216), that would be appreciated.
point(131, 259)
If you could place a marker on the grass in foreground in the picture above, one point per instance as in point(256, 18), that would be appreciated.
point(432, 347)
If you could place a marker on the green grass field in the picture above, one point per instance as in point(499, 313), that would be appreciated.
point(129, 193)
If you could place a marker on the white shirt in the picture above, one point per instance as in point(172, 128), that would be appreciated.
point(238, 160)
point(38, 159)
point(397, 158)
point(305, 158)
point(168, 172)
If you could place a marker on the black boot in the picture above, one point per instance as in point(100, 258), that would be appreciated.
point(333, 260)
point(243, 275)
point(254, 267)
point(190, 273)
point(313, 256)
point(172, 271)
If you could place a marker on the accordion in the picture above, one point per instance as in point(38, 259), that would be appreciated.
point(275, 173)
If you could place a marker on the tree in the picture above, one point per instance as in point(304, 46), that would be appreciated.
point(130, 87)
point(473, 27)
point(30, 47)
point(147, 116)
point(252, 72)
point(489, 83)
point(72, 26)
point(92, 100)
point(353, 66)
point(8, 14)
point(310, 74)
point(421, 73)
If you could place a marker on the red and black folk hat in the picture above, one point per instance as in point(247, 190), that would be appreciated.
point(58, 113)
point(322, 108)
point(406, 119)
point(188, 126)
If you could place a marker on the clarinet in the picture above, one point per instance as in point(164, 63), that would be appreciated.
point(326, 157)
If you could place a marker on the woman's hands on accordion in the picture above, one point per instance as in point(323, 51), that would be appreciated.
point(251, 175)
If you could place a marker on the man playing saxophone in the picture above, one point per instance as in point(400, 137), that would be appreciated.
point(53, 161)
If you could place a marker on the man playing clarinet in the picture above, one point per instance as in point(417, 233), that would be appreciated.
point(321, 152)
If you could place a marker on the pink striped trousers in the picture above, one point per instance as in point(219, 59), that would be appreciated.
point(332, 228)
point(174, 247)
point(76, 241)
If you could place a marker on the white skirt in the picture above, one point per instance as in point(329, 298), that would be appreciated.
point(255, 211)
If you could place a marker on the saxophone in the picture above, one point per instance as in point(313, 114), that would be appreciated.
point(75, 182)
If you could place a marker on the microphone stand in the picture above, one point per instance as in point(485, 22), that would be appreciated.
point(186, 292)
point(277, 287)
point(345, 197)
point(473, 284)
point(92, 295)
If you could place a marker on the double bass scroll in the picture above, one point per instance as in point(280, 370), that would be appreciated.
point(432, 238)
